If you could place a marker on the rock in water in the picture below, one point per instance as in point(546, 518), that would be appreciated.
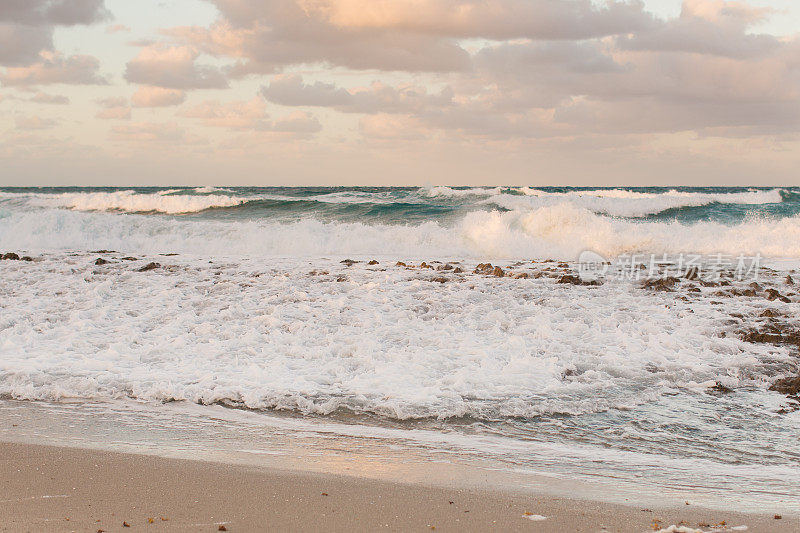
point(101, 261)
point(149, 266)
point(484, 268)
point(787, 386)
point(661, 284)
point(773, 295)
point(576, 280)
point(10, 256)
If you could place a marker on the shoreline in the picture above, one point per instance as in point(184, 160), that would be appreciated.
point(76, 489)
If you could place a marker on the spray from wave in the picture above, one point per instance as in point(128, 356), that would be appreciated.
point(561, 231)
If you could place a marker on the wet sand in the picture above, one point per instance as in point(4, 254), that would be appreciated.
point(45, 488)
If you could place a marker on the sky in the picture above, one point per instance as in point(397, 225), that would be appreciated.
point(399, 92)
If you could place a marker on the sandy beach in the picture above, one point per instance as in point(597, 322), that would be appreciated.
point(48, 488)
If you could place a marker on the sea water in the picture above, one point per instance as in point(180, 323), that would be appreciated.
point(251, 308)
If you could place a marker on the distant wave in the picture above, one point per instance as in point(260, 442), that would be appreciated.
point(561, 231)
point(610, 202)
point(129, 201)
point(613, 202)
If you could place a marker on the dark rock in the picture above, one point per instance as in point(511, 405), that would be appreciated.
point(773, 295)
point(373, 262)
point(787, 386)
point(100, 261)
point(484, 268)
point(458, 270)
point(748, 292)
point(425, 265)
point(341, 278)
point(756, 287)
point(661, 284)
point(693, 289)
point(498, 272)
point(563, 265)
point(348, 262)
point(400, 264)
point(439, 279)
point(769, 313)
point(133, 259)
point(708, 283)
point(576, 280)
point(719, 387)
point(26, 258)
point(10, 256)
point(104, 252)
point(168, 255)
point(692, 274)
point(789, 280)
point(447, 266)
point(520, 275)
point(772, 335)
point(149, 266)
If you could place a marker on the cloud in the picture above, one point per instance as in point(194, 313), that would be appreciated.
point(55, 68)
point(32, 122)
point(117, 28)
point(157, 97)
point(252, 115)
point(20, 45)
point(148, 132)
point(393, 127)
point(43, 98)
point(114, 113)
point(289, 90)
point(173, 67)
point(26, 26)
point(711, 27)
point(53, 12)
point(410, 35)
point(500, 20)
point(115, 108)
point(236, 115)
point(299, 123)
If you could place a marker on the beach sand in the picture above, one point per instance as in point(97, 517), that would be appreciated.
point(47, 488)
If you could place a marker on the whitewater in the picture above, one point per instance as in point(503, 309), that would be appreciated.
point(367, 308)
point(478, 223)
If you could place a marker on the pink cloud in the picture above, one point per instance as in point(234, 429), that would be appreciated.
point(148, 96)
point(173, 67)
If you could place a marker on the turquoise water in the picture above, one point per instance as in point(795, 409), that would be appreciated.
point(403, 205)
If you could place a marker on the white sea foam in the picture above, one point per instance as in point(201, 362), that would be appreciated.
point(561, 231)
point(615, 202)
point(623, 203)
point(166, 201)
point(269, 335)
point(207, 190)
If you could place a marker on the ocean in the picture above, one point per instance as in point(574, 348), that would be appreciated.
point(250, 308)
